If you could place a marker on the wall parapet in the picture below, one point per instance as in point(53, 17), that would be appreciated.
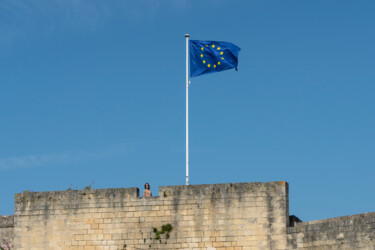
point(73, 199)
point(346, 232)
point(341, 221)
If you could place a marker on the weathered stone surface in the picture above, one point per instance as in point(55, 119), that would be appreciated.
point(6, 221)
point(6, 230)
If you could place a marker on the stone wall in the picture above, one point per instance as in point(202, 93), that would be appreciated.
point(222, 216)
point(6, 230)
point(349, 232)
point(240, 216)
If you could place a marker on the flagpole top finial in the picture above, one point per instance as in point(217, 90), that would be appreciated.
point(187, 35)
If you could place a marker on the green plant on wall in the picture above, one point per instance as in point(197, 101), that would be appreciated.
point(165, 229)
point(89, 186)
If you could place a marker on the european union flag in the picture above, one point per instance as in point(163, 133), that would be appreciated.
point(212, 56)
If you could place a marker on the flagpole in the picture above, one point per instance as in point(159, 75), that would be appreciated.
point(187, 108)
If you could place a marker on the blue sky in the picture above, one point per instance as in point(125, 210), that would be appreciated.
point(95, 91)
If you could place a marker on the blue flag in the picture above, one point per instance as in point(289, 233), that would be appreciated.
point(212, 56)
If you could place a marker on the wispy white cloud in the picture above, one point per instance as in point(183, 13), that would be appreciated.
point(23, 17)
point(50, 13)
point(68, 157)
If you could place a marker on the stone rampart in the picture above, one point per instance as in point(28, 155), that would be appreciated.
point(348, 232)
point(220, 216)
point(241, 216)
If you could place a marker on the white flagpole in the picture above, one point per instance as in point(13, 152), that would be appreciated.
point(187, 108)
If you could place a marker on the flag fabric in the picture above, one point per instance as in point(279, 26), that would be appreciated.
point(212, 56)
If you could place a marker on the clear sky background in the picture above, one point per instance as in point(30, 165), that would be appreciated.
point(95, 91)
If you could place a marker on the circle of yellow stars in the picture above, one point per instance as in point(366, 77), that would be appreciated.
point(208, 64)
